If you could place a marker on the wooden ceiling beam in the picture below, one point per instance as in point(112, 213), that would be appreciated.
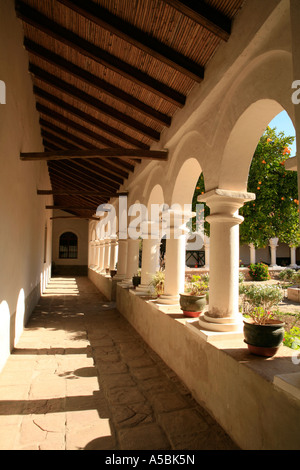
point(78, 192)
point(205, 15)
point(161, 155)
point(74, 217)
point(73, 208)
point(76, 168)
point(61, 182)
point(73, 125)
point(59, 137)
point(79, 178)
point(138, 38)
point(41, 22)
point(92, 101)
point(56, 140)
point(39, 92)
point(92, 80)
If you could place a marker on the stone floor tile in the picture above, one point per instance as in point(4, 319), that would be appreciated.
point(82, 378)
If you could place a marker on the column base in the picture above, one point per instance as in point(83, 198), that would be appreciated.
point(168, 299)
point(126, 283)
point(142, 289)
point(119, 277)
point(224, 324)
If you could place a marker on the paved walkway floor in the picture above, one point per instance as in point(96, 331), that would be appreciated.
point(81, 378)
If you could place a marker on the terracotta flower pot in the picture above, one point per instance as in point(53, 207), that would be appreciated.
point(263, 340)
point(192, 305)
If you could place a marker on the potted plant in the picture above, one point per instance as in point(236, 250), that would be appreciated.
point(136, 279)
point(262, 332)
point(193, 299)
point(158, 282)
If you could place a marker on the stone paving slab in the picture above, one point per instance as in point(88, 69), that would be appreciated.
point(81, 378)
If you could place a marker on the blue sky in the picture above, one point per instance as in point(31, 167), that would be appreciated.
point(283, 123)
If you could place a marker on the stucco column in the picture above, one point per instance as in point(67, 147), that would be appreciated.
point(293, 257)
point(132, 261)
point(106, 254)
point(100, 256)
point(207, 251)
point(97, 249)
point(91, 253)
point(252, 253)
point(150, 258)
point(113, 252)
point(273, 243)
point(223, 312)
point(122, 259)
point(176, 232)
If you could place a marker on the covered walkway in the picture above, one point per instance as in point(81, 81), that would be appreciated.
point(82, 378)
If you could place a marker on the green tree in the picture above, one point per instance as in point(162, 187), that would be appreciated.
point(275, 212)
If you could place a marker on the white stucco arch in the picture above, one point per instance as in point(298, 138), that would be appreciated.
point(185, 182)
point(256, 97)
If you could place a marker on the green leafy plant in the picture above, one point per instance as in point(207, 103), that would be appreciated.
point(196, 286)
point(275, 212)
point(292, 338)
point(158, 282)
point(296, 278)
point(259, 272)
point(259, 301)
point(287, 275)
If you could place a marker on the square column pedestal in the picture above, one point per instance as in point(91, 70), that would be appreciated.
point(223, 312)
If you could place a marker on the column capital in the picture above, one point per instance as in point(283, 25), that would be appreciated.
point(233, 197)
point(224, 204)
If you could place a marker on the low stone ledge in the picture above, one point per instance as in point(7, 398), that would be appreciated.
point(293, 293)
point(246, 394)
point(104, 282)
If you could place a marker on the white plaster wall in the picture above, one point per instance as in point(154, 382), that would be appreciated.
point(77, 226)
point(23, 273)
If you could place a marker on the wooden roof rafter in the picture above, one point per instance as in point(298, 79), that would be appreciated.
point(68, 38)
point(108, 78)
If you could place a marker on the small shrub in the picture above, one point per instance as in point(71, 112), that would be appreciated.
point(259, 272)
point(292, 338)
point(287, 275)
point(264, 297)
point(296, 278)
point(196, 286)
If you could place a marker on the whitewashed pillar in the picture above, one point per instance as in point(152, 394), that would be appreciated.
point(113, 252)
point(106, 254)
point(293, 257)
point(207, 251)
point(252, 253)
point(122, 259)
point(273, 243)
point(132, 261)
point(176, 232)
point(150, 258)
point(223, 312)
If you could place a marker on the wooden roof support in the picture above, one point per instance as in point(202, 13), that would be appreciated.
point(39, 21)
point(205, 15)
point(92, 101)
point(74, 192)
point(136, 37)
point(74, 217)
point(93, 80)
point(39, 92)
point(109, 153)
point(72, 208)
